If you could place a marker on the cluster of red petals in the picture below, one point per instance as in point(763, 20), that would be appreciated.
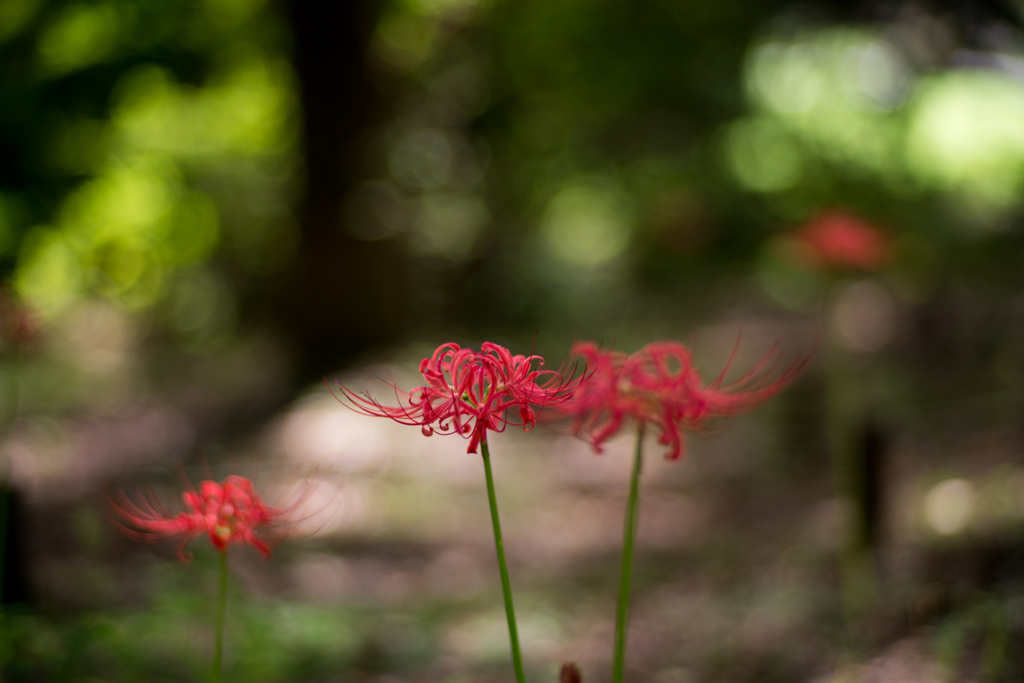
point(840, 240)
point(658, 385)
point(469, 392)
point(230, 512)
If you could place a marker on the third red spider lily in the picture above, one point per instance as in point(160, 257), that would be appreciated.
point(228, 512)
point(838, 240)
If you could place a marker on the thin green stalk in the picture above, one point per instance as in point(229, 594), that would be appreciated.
point(506, 587)
point(619, 664)
point(218, 643)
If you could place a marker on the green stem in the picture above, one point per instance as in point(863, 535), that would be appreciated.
point(619, 664)
point(506, 587)
point(218, 643)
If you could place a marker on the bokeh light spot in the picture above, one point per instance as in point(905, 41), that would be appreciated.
point(49, 275)
point(586, 225)
point(126, 202)
point(864, 317)
point(787, 78)
point(949, 506)
point(449, 224)
point(762, 156)
point(422, 159)
point(966, 132)
point(879, 72)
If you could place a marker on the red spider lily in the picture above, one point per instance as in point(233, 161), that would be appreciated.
point(228, 513)
point(658, 385)
point(469, 392)
point(839, 240)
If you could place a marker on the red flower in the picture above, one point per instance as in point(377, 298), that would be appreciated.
point(840, 240)
point(658, 385)
point(468, 392)
point(228, 513)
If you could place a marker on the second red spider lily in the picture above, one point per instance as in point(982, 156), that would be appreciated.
point(658, 386)
point(470, 393)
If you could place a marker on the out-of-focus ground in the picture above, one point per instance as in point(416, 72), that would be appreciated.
point(390, 573)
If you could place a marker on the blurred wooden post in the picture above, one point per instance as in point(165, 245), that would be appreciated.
point(872, 496)
point(858, 460)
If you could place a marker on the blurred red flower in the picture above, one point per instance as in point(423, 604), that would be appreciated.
point(230, 512)
point(658, 385)
point(469, 392)
point(837, 239)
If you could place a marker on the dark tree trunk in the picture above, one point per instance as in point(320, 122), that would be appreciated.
point(343, 295)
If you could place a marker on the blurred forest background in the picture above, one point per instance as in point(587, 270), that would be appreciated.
point(208, 206)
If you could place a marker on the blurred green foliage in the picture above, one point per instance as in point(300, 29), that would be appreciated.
point(601, 167)
point(145, 142)
point(587, 167)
